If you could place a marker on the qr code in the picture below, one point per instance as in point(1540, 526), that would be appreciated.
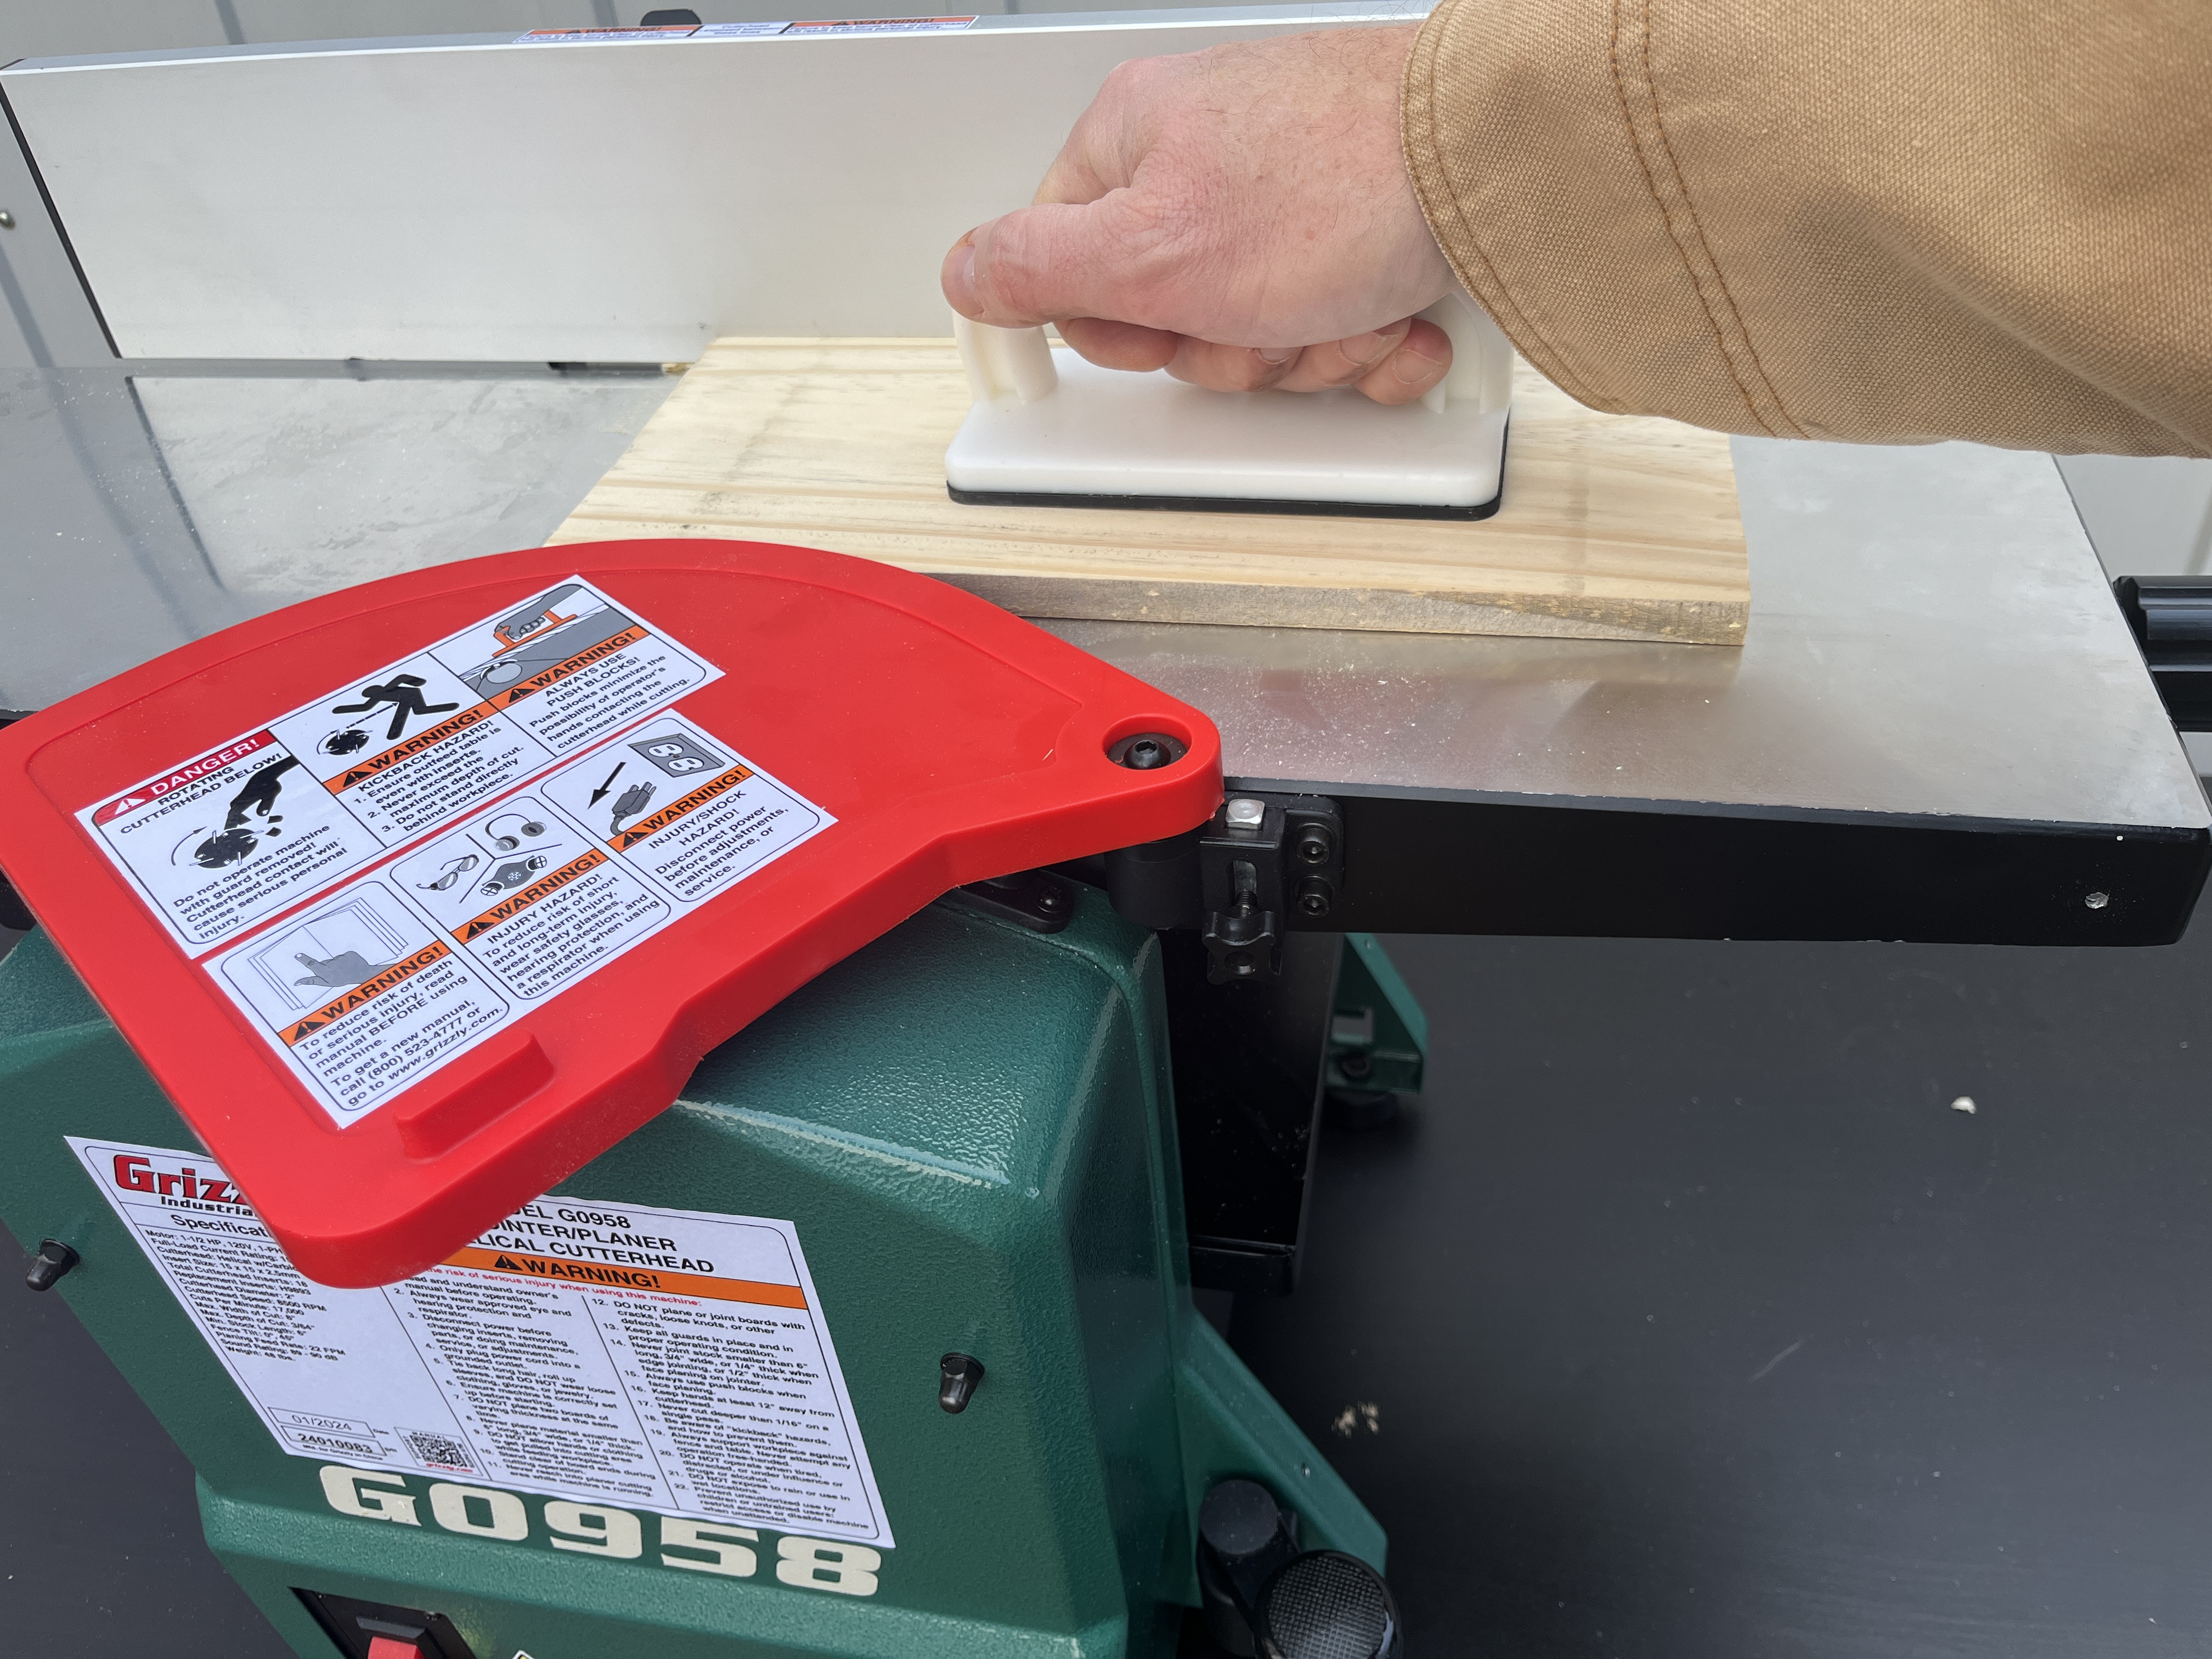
point(437, 1451)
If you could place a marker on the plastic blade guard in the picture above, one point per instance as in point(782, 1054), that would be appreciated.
point(416, 898)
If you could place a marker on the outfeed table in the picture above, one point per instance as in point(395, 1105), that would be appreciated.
point(1938, 727)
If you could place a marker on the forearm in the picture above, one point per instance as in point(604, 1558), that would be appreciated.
point(1856, 220)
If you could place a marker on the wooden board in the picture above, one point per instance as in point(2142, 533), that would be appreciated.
point(1612, 527)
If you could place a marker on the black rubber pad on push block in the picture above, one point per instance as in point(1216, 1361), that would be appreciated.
point(1225, 504)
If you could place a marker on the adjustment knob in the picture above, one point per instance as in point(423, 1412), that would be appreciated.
point(1328, 1605)
point(1239, 1518)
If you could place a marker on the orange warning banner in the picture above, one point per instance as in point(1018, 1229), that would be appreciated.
point(366, 992)
point(589, 1274)
point(644, 829)
point(561, 671)
point(516, 902)
point(361, 771)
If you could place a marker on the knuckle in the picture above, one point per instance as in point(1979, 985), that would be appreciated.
point(1161, 263)
point(1245, 370)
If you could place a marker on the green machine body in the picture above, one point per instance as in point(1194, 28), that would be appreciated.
point(967, 1128)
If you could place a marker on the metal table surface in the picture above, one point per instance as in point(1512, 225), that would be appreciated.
point(1938, 727)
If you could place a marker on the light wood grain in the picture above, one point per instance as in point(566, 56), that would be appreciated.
point(1613, 526)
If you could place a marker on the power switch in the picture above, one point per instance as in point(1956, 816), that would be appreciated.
point(392, 1639)
point(379, 1630)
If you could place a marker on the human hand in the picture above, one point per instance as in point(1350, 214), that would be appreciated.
point(1240, 217)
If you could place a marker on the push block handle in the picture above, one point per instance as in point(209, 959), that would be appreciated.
point(1016, 363)
point(1003, 362)
point(1482, 357)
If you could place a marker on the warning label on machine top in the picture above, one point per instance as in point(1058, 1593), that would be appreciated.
point(455, 838)
point(394, 973)
point(255, 825)
point(662, 1359)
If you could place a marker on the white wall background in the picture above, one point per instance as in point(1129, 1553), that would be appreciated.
point(2146, 517)
point(50, 28)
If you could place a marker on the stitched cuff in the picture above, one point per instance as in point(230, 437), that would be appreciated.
point(1538, 149)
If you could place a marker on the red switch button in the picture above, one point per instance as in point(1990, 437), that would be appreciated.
point(391, 1647)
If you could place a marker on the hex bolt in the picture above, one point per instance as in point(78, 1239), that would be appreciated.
point(1147, 752)
point(1316, 844)
point(53, 1260)
point(1245, 813)
point(958, 1374)
point(1315, 896)
point(2098, 901)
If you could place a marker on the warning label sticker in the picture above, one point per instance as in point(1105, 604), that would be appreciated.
point(225, 839)
point(664, 1359)
point(230, 837)
point(611, 35)
point(396, 972)
point(690, 816)
point(883, 26)
point(751, 31)
point(362, 997)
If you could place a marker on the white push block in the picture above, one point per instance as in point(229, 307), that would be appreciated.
point(1047, 428)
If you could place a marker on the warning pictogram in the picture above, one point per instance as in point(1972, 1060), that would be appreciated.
point(508, 909)
point(646, 828)
point(380, 980)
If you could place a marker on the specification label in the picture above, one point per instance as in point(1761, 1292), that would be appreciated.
point(659, 1359)
point(224, 839)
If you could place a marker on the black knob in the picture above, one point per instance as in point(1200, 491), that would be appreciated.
point(1239, 1518)
point(53, 1260)
point(1244, 1536)
point(1328, 1605)
point(957, 1373)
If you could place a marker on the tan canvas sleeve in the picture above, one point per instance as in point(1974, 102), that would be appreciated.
point(1867, 220)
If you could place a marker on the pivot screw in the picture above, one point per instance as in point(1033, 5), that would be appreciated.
point(1316, 844)
point(1245, 813)
point(1314, 896)
point(53, 1260)
point(2098, 901)
point(1146, 752)
point(957, 1376)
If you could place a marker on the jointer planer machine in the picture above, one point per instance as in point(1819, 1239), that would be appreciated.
point(681, 1097)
